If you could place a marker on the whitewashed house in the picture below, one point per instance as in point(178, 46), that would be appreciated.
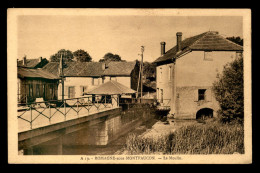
point(81, 77)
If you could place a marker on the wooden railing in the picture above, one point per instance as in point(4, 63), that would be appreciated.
point(164, 104)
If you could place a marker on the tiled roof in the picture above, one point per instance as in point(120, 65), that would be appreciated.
point(110, 88)
point(119, 68)
point(208, 41)
point(35, 73)
point(75, 68)
point(32, 63)
point(91, 69)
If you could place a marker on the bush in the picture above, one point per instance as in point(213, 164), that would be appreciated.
point(210, 138)
point(229, 91)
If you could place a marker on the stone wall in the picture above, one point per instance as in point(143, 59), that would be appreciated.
point(187, 103)
point(111, 126)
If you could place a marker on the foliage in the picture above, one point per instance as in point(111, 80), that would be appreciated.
point(67, 56)
point(82, 56)
point(229, 91)
point(209, 138)
point(149, 70)
point(110, 57)
point(236, 40)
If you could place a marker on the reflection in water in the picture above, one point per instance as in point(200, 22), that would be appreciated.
point(104, 138)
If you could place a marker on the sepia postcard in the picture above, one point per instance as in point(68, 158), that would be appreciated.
point(129, 86)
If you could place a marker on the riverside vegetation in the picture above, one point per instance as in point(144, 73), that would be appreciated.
point(222, 136)
point(209, 137)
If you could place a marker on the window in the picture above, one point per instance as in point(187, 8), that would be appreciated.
point(161, 95)
point(83, 90)
point(201, 94)
point(95, 81)
point(161, 73)
point(170, 72)
point(37, 90)
point(71, 91)
point(51, 90)
point(208, 56)
point(30, 90)
point(113, 78)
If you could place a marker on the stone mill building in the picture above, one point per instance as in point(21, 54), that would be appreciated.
point(185, 73)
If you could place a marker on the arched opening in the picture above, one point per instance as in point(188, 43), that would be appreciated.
point(204, 113)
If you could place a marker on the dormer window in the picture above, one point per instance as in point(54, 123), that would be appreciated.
point(208, 56)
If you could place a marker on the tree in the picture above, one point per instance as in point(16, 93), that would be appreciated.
point(111, 57)
point(236, 40)
point(67, 56)
point(149, 70)
point(82, 56)
point(229, 91)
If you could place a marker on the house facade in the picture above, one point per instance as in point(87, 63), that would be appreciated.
point(185, 73)
point(81, 77)
point(36, 83)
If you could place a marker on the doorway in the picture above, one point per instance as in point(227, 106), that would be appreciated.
point(204, 113)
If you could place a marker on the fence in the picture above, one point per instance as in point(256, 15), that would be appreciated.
point(164, 104)
point(38, 114)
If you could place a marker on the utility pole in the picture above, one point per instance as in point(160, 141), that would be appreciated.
point(62, 76)
point(140, 76)
point(142, 51)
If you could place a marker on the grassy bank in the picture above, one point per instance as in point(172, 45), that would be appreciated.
point(210, 137)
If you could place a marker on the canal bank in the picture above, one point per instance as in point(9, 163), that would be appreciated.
point(106, 136)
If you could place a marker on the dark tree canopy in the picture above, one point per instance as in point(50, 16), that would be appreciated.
point(149, 69)
point(110, 57)
point(229, 91)
point(82, 56)
point(236, 40)
point(67, 56)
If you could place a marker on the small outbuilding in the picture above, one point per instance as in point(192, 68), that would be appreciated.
point(110, 89)
point(36, 83)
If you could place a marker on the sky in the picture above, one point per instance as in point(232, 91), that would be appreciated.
point(45, 35)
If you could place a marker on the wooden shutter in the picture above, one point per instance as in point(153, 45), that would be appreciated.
point(196, 96)
point(208, 95)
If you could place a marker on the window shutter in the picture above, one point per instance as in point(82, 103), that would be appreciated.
point(208, 95)
point(196, 96)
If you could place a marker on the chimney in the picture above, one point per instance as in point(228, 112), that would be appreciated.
point(178, 36)
point(24, 60)
point(40, 59)
point(163, 48)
